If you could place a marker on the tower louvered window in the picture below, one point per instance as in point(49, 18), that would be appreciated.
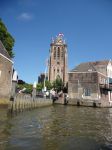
point(54, 52)
point(58, 53)
point(62, 53)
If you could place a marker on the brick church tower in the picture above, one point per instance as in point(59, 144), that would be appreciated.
point(58, 59)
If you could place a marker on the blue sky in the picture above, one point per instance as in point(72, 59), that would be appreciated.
point(86, 25)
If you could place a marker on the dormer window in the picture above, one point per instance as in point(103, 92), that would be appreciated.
point(90, 70)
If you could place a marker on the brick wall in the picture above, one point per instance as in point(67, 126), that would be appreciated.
point(78, 82)
point(5, 77)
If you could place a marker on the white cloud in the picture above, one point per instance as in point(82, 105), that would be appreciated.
point(25, 16)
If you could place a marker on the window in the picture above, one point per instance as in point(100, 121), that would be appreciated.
point(70, 76)
point(57, 70)
point(62, 53)
point(55, 53)
point(87, 92)
point(90, 70)
point(58, 52)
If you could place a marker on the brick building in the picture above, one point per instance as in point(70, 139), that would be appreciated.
point(90, 84)
point(58, 60)
point(5, 73)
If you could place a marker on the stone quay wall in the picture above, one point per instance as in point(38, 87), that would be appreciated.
point(90, 102)
point(23, 102)
point(85, 102)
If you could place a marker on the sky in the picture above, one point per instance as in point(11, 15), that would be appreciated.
point(86, 25)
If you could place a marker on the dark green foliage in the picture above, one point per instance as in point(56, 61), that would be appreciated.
point(58, 84)
point(48, 85)
point(7, 39)
point(28, 87)
point(39, 87)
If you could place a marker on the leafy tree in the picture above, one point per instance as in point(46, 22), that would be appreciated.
point(7, 39)
point(58, 84)
point(39, 87)
point(28, 87)
point(48, 85)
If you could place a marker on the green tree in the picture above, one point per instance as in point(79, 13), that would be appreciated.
point(28, 87)
point(39, 87)
point(48, 85)
point(7, 39)
point(58, 84)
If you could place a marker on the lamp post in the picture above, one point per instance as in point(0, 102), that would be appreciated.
point(34, 90)
point(45, 75)
point(45, 79)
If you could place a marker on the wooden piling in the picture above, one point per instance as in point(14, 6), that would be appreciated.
point(24, 102)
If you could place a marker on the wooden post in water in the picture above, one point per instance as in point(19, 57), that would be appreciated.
point(13, 91)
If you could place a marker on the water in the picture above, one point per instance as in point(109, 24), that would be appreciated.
point(57, 128)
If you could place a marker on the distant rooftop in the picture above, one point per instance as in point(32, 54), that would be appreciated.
point(90, 66)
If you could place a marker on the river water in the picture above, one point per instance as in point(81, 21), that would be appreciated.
point(57, 128)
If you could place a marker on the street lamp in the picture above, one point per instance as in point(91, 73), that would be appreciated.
point(45, 75)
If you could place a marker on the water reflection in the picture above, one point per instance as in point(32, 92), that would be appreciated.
point(57, 128)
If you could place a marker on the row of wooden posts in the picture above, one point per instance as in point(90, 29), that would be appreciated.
point(23, 102)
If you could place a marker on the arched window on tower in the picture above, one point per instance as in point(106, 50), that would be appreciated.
point(57, 70)
point(54, 52)
point(58, 53)
point(62, 53)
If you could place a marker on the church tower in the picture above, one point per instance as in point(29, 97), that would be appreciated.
point(58, 59)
